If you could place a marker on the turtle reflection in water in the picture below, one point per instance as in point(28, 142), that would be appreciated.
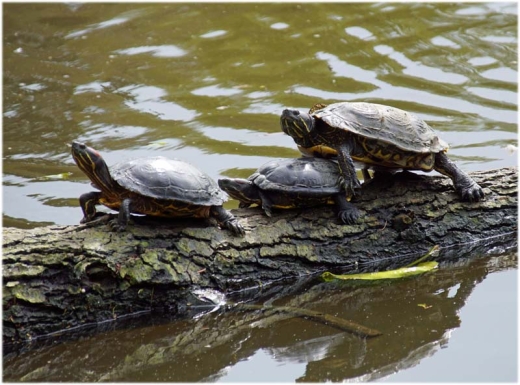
point(154, 186)
point(380, 136)
point(292, 183)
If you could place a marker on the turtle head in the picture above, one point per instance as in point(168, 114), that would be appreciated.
point(296, 124)
point(242, 190)
point(93, 165)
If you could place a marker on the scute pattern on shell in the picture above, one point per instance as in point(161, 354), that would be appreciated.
point(386, 124)
point(303, 175)
point(169, 179)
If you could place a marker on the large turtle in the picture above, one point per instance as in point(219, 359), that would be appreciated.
point(292, 183)
point(155, 186)
point(379, 136)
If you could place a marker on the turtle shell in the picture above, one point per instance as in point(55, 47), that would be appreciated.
point(168, 179)
point(383, 123)
point(307, 176)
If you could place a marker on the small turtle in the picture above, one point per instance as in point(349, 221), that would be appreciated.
point(292, 183)
point(379, 136)
point(155, 186)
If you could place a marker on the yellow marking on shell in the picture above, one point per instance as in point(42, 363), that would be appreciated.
point(152, 207)
point(374, 155)
point(425, 162)
point(278, 206)
point(320, 151)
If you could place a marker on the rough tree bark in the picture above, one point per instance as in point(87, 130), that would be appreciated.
point(60, 277)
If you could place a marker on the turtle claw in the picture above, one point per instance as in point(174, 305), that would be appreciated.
point(114, 225)
point(235, 227)
point(349, 216)
point(350, 186)
point(473, 193)
point(227, 220)
point(467, 188)
point(267, 211)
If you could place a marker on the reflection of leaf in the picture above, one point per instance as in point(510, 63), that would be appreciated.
point(434, 251)
point(424, 306)
point(63, 175)
point(158, 143)
point(390, 274)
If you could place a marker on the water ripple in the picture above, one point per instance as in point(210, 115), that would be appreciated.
point(419, 70)
point(360, 33)
point(147, 99)
point(502, 74)
point(216, 90)
point(157, 51)
point(105, 24)
point(213, 34)
point(385, 91)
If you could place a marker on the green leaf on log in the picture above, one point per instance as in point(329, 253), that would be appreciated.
point(390, 274)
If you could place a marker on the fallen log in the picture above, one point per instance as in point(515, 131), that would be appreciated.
point(59, 277)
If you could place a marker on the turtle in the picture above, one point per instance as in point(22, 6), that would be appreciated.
point(156, 186)
point(379, 136)
point(292, 183)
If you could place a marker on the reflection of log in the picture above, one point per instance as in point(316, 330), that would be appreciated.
point(200, 349)
point(326, 319)
point(60, 277)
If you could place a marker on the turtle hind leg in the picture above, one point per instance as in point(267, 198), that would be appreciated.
point(366, 174)
point(227, 220)
point(267, 204)
point(467, 188)
point(347, 212)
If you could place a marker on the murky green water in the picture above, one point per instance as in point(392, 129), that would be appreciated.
point(206, 83)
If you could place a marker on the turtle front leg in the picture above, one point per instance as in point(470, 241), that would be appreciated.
point(348, 178)
point(227, 220)
point(121, 222)
point(346, 211)
point(467, 188)
point(88, 202)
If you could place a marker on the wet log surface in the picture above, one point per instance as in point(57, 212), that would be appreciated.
point(60, 277)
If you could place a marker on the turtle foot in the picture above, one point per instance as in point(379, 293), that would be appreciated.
point(350, 186)
point(468, 189)
point(472, 192)
point(227, 220)
point(267, 210)
point(96, 220)
point(234, 226)
point(349, 216)
point(114, 225)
